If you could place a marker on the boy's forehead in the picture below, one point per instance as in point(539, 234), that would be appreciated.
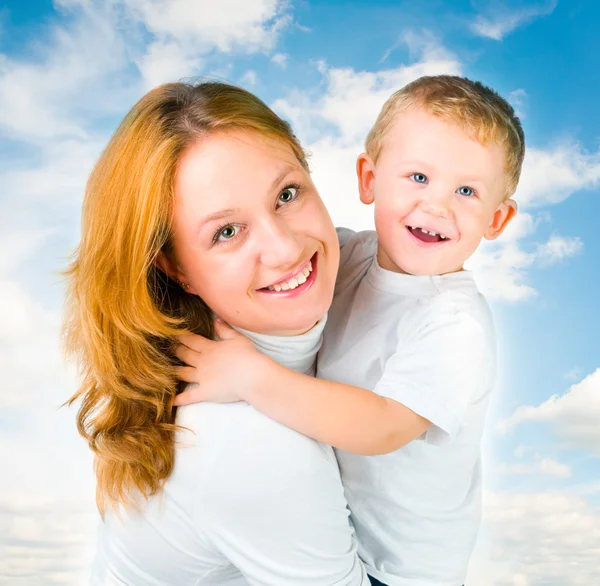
point(416, 133)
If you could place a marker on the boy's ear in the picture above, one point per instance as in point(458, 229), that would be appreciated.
point(506, 211)
point(365, 171)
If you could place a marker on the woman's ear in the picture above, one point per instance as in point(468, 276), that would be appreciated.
point(170, 268)
point(365, 171)
point(167, 265)
point(506, 211)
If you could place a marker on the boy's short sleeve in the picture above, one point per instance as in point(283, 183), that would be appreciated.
point(444, 362)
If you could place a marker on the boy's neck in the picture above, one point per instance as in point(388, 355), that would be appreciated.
point(387, 264)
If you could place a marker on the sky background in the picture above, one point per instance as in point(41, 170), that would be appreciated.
point(71, 69)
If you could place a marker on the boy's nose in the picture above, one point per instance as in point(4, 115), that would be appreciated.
point(436, 203)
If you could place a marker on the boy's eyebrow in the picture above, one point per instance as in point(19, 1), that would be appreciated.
point(415, 163)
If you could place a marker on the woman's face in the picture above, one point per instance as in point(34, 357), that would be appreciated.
point(252, 237)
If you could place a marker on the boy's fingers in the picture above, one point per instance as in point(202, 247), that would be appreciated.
point(186, 373)
point(193, 395)
point(225, 331)
point(194, 341)
point(185, 354)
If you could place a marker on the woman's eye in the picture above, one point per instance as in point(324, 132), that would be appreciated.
point(419, 177)
point(288, 195)
point(464, 190)
point(226, 233)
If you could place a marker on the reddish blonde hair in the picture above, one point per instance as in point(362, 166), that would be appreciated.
point(477, 108)
point(121, 312)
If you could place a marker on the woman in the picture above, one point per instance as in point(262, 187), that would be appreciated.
point(202, 202)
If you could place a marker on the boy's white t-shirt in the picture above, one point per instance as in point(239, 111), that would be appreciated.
point(249, 502)
point(428, 343)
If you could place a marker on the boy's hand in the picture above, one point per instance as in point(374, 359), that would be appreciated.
point(221, 370)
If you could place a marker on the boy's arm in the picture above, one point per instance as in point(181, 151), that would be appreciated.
point(344, 416)
point(425, 387)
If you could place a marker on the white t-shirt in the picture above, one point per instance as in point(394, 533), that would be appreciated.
point(428, 343)
point(249, 502)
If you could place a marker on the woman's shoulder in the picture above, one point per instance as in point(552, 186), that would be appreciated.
point(237, 431)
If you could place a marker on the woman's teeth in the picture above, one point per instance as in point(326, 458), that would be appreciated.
point(294, 282)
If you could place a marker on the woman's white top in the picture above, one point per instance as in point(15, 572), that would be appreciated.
point(249, 502)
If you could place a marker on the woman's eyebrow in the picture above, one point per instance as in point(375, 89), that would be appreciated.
point(217, 216)
point(285, 171)
point(230, 211)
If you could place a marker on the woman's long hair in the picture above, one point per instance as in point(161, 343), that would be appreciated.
point(121, 311)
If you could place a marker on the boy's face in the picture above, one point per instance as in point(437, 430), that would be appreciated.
point(432, 177)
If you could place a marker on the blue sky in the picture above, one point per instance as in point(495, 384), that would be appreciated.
point(70, 69)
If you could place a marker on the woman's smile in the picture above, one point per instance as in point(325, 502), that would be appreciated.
point(300, 281)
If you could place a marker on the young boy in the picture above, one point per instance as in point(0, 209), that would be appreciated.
point(408, 358)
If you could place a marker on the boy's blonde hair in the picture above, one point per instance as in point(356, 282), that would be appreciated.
point(475, 107)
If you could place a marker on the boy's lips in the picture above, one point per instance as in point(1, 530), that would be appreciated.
point(427, 236)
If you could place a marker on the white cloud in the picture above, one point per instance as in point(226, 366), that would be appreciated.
point(503, 21)
point(167, 61)
point(517, 100)
point(573, 417)
point(501, 269)
point(249, 78)
point(501, 266)
point(44, 541)
point(519, 451)
point(545, 466)
point(280, 59)
point(34, 371)
point(574, 374)
point(558, 248)
point(224, 25)
point(49, 95)
point(551, 176)
point(537, 539)
point(186, 32)
point(352, 99)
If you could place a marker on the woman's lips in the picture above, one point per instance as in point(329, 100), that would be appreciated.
point(301, 287)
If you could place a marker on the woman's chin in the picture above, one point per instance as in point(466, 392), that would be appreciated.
point(290, 329)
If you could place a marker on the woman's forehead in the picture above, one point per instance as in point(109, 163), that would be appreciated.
point(229, 169)
point(241, 147)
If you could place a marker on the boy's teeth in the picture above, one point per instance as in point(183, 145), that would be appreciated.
point(294, 282)
point(442, 237)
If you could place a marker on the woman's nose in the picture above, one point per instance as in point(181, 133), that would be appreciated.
point(279, 246)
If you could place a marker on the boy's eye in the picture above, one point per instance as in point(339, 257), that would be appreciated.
point(464, 190)
point(288, 195)
point(226, 233)
point(419, 177)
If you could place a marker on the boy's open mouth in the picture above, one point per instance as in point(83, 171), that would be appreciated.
point(425, 235)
